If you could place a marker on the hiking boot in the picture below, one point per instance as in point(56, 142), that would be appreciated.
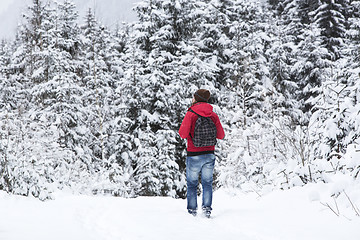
point(207, 212)
point(192, 212)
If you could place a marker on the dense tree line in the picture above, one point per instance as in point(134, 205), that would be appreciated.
point(98, 110)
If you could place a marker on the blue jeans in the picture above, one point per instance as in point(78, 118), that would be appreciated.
point(195, 165)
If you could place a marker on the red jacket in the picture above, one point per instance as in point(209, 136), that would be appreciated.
point(188, 126)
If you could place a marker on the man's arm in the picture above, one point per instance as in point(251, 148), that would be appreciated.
point(184, 130)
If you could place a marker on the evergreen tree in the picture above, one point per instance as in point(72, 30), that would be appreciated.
point(248, 74)
point(49, 120)
point(213, 40)
point(98, 85)
point(107, 140)
point(330, 16)
point(305, 9)
point(310, 69)
point(68, 31)
point(248, 107)
point(288, 33)
point(128, 112)
point(330, 125)
point(120, 140)
point(167, 41)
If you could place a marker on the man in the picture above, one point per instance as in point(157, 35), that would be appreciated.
point(200, 160)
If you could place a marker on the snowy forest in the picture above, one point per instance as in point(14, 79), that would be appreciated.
point(97, 110)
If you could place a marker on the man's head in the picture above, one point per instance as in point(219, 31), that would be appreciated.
point(202, 95)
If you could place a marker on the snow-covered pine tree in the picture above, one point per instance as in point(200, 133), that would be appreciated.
point(330, 17)
point(14, 103)
point(330, 129)
point(92, 76)
point(289, 33)
point(351, 70)
point(120, 168)
point(281, 58)
point(32, 62)
point(165, 36)
point(250, 84)
point(99, 74)
point(5, 52)
point(48, 114)
point(68, 31)
point(353, 53)
point(126, 110)
point(5, 102)
point(329, 126)
point(67, 92)
point(306, 10)
point(212, 40)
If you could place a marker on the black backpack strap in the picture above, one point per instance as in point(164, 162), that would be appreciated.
point(190, 110)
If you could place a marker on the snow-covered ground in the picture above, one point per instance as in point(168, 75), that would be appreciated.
point(295, 214)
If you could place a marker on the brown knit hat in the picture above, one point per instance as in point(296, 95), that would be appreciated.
point(202, 95)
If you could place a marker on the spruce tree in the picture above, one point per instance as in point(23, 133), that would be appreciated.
point(330, 17)
point(167, 82)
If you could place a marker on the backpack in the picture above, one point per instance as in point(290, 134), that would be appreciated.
point(205, 131)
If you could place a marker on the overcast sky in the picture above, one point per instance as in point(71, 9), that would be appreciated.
point(109, 12)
